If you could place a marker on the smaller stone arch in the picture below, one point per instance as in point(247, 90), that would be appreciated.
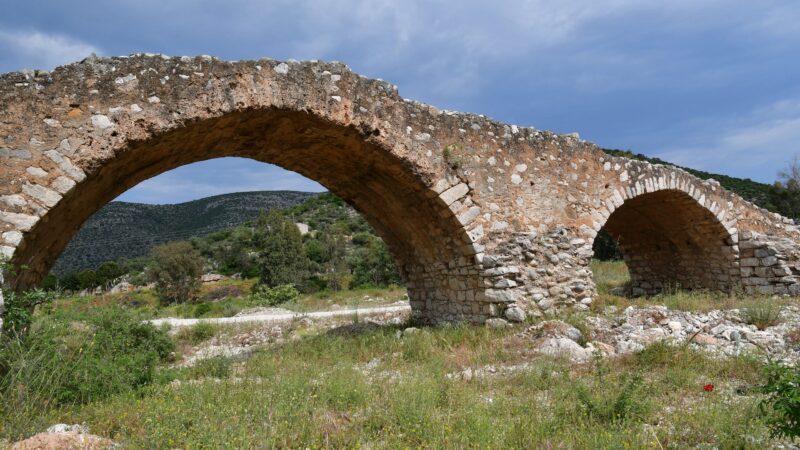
point(670, 240)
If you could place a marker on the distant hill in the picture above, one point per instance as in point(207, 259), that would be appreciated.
point(129, 230)
point(746, 188)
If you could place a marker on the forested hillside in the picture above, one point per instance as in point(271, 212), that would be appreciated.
point(122, 230)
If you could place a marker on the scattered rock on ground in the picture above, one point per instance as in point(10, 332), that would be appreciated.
point(211, 277)
point(497, 323)
point(515, 314)
point(64, 437)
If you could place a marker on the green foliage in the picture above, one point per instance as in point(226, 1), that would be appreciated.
point(216, 367)
point(194, 335)
point(87, 279)
point(763, 315)
point(273, 296)
point(616, 402)
point(50, 283)
point(176, 271)
point(63, 361)
point(19, 308)
point(605, 247)
point(107, 272)
point(122, 230)
point(452, 156)
point(70, 282)
point(281, 257)
point(784, 198)
point(782, 404)
point(373, 265)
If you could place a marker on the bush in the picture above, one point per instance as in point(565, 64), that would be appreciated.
point(63, 361)
point(281, 256)
point(616, 402)
point(19, 308)
point(763, 316)
point(221, 292)
point(201, 309)
point(216, 367)
point(783, 400)
point(201, 332)
point(176, 271)
point(266, 296)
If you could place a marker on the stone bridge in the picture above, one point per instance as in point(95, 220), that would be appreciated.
point(485, 219)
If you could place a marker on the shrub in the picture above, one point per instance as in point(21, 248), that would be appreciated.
point(216, 367)
point(782, 389)
point(64, 361)
point(202, 309)
point(176, 271)
point(221, 292)
point(615, 402)
point(763, 315)
point(281, 256)
point(201, 332)
point(19, 308)
point(266, 296)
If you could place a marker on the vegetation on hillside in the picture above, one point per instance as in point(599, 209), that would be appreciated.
point(124, 231)
point(340, 251)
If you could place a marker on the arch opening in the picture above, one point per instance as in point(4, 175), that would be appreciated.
point(429, 244)
point(668, 242)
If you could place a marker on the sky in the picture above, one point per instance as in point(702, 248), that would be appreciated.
point(712, 85)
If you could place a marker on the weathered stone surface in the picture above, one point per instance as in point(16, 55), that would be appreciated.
point(12, 237)
point(45, 196)
point(485, 219)
point(63, 184)
point(20, 222)
point(13, 153)
point(515, 314)
point(66, 165)
point(36, 172)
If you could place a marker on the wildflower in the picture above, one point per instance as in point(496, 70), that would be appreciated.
point(708, 388)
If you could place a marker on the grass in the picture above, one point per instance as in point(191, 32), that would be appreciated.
point(146, 305)
point(345, 389)
point(317, 392)
point(613, 274)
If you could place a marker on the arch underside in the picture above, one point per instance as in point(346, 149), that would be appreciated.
point(426, 239)
point(669, 241)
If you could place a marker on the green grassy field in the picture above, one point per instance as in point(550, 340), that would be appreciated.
point(146, 304)
point(375, 389)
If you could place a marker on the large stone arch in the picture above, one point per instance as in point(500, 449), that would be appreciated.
point(671, 241)
point(482, 216)
point(148, 126)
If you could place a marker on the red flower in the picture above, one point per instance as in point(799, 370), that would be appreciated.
point(708, 388)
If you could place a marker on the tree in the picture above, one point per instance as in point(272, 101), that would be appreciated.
point(49, 283)
point(176, 270)
point(784, 195)
point(108, 271)
point(605, 248)
point(334, 245)
point(281, 256)
point(70, 282)
point(373, 264)
point(87, 279)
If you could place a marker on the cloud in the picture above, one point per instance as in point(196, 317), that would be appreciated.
point(38, 50)
point(685, 79)
point(751, 146)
